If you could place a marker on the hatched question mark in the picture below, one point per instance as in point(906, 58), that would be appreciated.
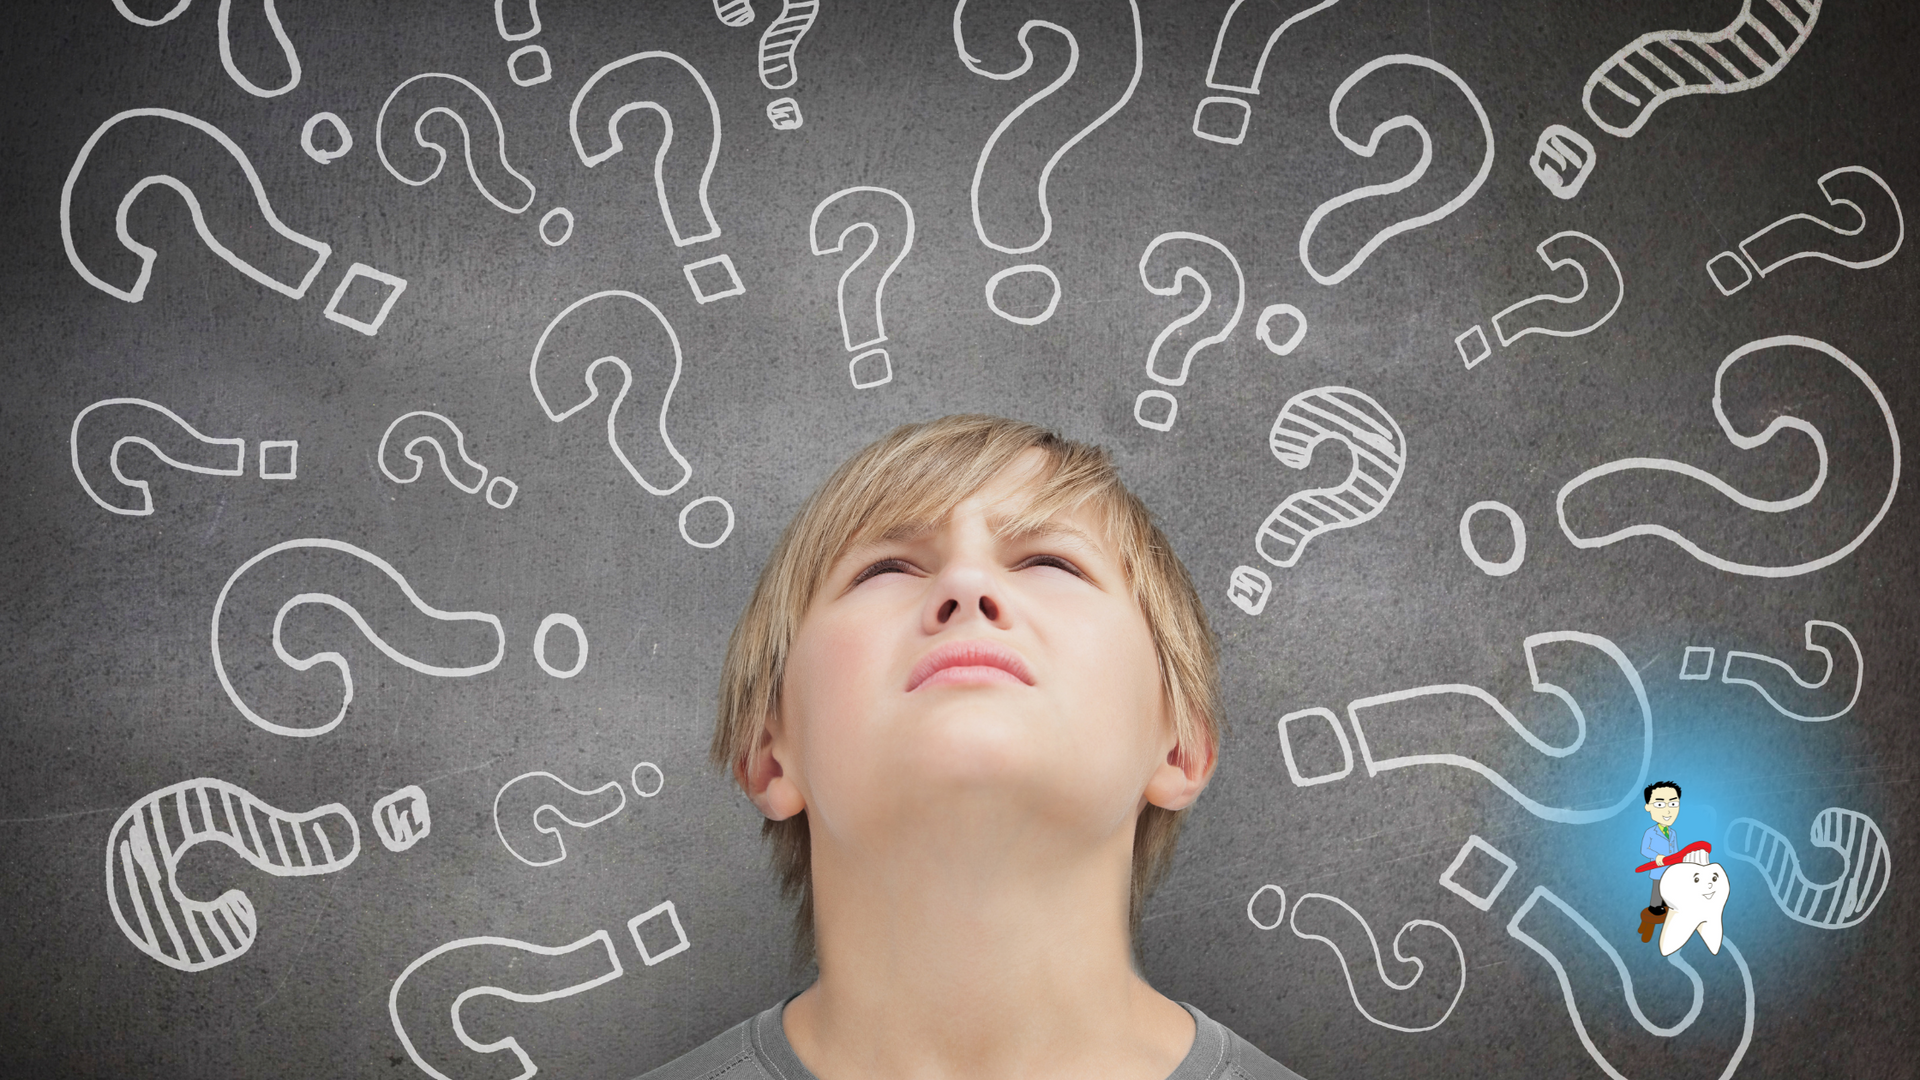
point(1379, 452)
point(862, 324)
point(777, 69)
point(1009, 70)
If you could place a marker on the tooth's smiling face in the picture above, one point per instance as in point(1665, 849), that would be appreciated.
point(1696, 895)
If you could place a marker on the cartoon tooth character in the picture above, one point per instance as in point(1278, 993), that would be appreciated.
point(1661, 844)
point(1696, 893)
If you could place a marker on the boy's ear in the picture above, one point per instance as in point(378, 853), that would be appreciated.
point(1179, 780)
point(764, 777)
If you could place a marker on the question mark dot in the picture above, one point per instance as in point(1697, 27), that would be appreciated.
point(1155, 409)
point(870, 369)
point(565, 217)
point(784, 114)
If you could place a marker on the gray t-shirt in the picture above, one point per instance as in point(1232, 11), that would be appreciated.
point(757, 1049)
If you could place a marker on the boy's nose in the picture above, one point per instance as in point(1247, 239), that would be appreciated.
point(962, 593)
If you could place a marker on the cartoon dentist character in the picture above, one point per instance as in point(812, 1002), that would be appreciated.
point(1660, 843)
point(1689, 890)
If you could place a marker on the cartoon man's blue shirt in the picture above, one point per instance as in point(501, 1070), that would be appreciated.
point(1655, 843)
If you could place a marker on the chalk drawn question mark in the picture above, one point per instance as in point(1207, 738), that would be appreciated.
point(878, 212)
point(1786, 422)
point(1004, 68)
point(1550, 314)
point(1412, 176)
point(1804, 236)
point(525, 53)
point(778, 43)
point(437, 94)
point(1331, 930)
point(1657, 67)
point(540, 798)
point(1866, 867)
point(1400, 737)
point(130, 141)
point(1241, 50)
point(673, 89)
point(147, 843)
point(1574, 935)
point(1166, 269)
point(226, 42)
point(642, 333)
point(179, 444)
point(420, 431)
point(339, 562)
point(1775, 680)
point(1379, 452)
point(532, 974)
point(525, 972)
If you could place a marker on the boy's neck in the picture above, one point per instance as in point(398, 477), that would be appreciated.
point(980, 957)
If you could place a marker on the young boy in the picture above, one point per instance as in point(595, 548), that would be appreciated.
point(1659, 843)
point(973, 694)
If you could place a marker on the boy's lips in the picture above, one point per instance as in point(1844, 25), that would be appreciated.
point(969, 661)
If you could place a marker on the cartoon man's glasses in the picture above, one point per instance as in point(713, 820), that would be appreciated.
point(1664, 804)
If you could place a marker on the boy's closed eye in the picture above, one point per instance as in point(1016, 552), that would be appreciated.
point(896, 565)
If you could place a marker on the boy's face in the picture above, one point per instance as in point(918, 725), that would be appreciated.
point(1665, 805)
point(956, 666)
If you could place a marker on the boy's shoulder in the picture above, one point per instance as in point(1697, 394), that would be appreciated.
point(757, 1049)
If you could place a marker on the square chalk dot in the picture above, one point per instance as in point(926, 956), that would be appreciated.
point(1697, 664)
point(279, 459)
point(870, 369)
point(364, 297)
point(1478, 883)
point(1473, 345)
point(662, 935)
point(713, 279)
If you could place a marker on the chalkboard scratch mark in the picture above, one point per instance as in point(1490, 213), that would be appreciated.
point(56, 817)
point(1650, 660)
point(218, 512)
point(456, 772)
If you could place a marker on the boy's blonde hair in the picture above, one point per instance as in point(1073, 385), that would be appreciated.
point(918, 474)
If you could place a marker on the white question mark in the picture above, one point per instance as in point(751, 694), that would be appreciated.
point(195, 452)
point(1412, 176)
point(422, 430)
point(226, 42)
point(1379, 452)
point(577, 357)
point(650, 81)
point(978, 67)
point(129, 139)
point(335, 562)
point(1177, 252)
point(1224, 119)
point(1803, 236)
point(1784, 422)
point(849, 211)
point(432, 94)
point(1775, 679)
point(1547, 313)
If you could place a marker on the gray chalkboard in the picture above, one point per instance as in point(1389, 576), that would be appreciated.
point(394, 431)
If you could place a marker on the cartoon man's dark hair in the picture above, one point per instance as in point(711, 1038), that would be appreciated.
point(1656, 786)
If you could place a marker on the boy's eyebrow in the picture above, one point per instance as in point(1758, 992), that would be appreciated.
point(1005, 527)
